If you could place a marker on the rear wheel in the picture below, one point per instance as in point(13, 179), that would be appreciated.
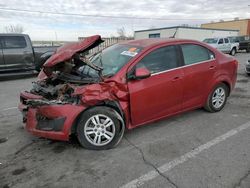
point(100, 128)
point(217, 98)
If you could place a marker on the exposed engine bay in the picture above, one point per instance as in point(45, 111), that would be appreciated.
point(72, 76)
point(65, 77)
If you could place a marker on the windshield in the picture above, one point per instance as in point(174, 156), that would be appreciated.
point(111, 59)
point(210, 41)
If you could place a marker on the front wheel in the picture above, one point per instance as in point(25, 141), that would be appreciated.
point(217, 98)
point(233, 52)
point(100, 128)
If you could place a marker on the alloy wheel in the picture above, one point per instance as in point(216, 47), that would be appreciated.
point(99, 130)
point(218, 98)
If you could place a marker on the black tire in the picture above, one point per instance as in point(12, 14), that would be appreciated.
point(233, 52)
point(85, 122)
point(248, 74)
point(210, 106)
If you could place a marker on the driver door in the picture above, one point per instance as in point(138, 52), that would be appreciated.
point(159, 95)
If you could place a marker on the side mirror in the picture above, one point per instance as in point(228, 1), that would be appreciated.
point(141, 73)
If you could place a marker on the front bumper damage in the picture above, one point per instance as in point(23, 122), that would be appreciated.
point(62, 92)
point(53, 121)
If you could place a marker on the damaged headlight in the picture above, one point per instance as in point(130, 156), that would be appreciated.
point(41, 102)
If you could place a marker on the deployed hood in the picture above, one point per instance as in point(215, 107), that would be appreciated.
point(67, 51)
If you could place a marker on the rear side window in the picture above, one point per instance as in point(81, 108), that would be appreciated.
point(194, 54)
point(226, 40)
point(161, 59)
point(13, 42)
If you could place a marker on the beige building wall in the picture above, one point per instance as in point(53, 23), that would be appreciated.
point(242, 25)
point(201, 34)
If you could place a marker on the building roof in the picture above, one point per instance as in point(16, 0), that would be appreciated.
point(227, 21)
point(185, 27)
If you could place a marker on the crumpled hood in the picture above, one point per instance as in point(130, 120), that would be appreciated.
point(66, 51)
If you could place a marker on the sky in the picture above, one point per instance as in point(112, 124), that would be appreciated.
point(88, 17)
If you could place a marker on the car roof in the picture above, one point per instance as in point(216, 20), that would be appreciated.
point(156, 41)
point(12, 34)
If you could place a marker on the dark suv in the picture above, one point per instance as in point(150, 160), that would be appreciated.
point(19, 57)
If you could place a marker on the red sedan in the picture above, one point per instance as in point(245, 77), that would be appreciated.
point(124, 86)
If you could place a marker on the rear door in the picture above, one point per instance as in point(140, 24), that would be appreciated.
point(227, 45)
point(1, 56)
point(160, 94)
point(221, 45)
point(199, 72)
point(17, 53)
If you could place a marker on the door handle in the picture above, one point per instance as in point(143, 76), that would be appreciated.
point(212, 67)
point(176, 78)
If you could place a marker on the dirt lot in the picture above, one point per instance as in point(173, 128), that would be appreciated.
point(195, 149)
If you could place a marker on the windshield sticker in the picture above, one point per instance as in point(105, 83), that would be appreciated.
point(132, 49)
point(129, 53)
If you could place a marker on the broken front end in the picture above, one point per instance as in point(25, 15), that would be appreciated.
point(50, 108)
point(68, 84)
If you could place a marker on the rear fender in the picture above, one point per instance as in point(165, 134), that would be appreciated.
point(220, 79)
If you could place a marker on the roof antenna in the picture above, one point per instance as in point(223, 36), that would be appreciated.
point(174, 33)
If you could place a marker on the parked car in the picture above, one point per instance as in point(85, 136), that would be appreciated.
point(245, 44)
point(248, 67)
point(19, 57)
point(125, 86)
point(223, 44)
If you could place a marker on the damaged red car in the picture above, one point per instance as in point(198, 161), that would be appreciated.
point(96, 97)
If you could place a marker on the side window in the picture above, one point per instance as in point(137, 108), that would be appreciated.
point(154, 35)
point(226, 40)
point(14, 42)
point(221, 41)
point(194, 53)
point(161, 59)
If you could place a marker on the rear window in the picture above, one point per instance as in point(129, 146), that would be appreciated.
point(13, 42)
point(194, 54)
